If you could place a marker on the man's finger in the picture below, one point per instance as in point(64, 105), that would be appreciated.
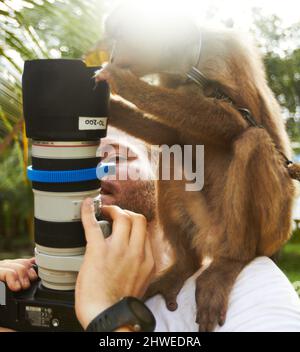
point(138, 233)
point(93, 233)
point(147, 267)
point(121, 226)
point(21, 270)
point(149, 258)
point(27, 262)
point(11, 278)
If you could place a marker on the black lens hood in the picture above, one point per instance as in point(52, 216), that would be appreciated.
point(56, 92)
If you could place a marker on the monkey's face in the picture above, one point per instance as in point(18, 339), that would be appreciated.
point(151, 43)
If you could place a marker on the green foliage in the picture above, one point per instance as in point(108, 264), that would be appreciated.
point(16, 210)
point(282, 62)
point(28, 30)
point(289, 257)
point(284, 74)
point(69, 28)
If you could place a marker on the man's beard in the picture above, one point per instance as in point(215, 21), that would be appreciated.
point(137, 196)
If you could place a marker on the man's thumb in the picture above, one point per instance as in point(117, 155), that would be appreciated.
point(91, 227)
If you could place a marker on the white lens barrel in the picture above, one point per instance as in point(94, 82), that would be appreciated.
point(59, 235)
point(60, 206)
point(66, 116)
point(58, 272)
point(64, 150)
point(58, 268)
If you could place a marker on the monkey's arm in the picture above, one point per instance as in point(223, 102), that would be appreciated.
point(212, 120)
point(139, 124)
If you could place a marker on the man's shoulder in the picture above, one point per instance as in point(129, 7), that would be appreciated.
point(261, 268)
point(262, 274)
point(262, 299)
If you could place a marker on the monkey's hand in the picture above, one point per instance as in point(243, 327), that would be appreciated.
point(121, 81)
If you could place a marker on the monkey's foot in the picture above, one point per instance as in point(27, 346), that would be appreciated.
point(212, 301)
point(169, 285)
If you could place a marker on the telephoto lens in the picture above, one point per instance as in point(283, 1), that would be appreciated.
point(66, 115)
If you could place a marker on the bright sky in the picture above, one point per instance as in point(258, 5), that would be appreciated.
point(239, 11)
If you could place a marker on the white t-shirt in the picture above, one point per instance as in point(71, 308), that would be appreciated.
point(262, 299)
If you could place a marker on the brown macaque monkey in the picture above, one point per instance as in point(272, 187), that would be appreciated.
point(244, 208)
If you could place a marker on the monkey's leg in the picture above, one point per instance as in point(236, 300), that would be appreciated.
point(138, 124)
point(169, 283)
point(213, 287)
point(187, 112)
point(177, 230)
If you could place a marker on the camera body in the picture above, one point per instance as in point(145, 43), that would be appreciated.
point(66, 116)
point(38, 309)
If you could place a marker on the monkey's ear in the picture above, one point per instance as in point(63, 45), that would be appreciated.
point(294, 171)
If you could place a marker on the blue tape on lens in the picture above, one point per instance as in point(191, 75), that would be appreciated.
point(105, 169)
point(65, 176)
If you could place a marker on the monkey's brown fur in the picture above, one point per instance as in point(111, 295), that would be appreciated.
point(244, 209)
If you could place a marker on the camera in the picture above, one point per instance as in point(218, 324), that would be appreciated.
point(66, 116)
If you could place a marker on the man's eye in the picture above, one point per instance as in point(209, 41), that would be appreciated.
point(120, 158)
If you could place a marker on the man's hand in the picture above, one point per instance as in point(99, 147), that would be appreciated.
point(17, 273)
point(121, 265)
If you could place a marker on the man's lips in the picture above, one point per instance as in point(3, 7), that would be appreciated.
point(104, 191)
point(107, 193)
